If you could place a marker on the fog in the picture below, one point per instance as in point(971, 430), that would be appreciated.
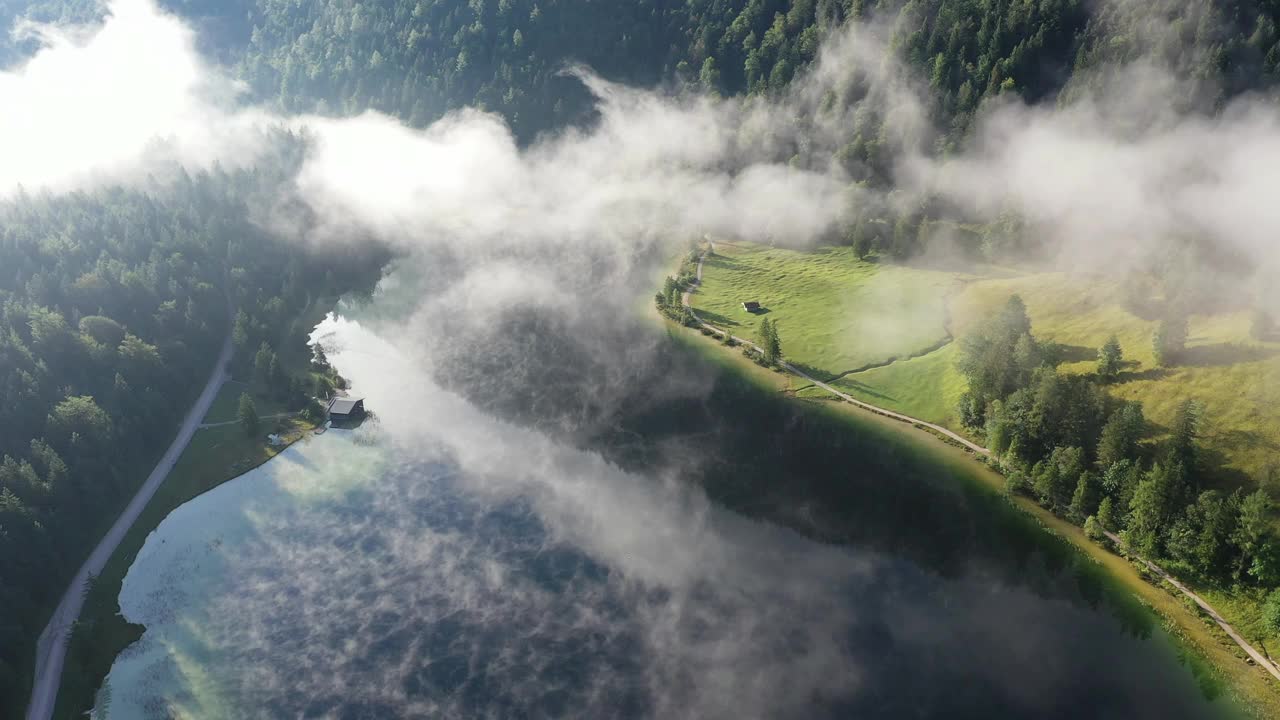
point(1118, 164)
point(96, 105)
point(521, 269)
point(1105, 180)
point(1120, 173)
point(448, 563)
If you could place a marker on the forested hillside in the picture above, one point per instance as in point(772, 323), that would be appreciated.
point(113, 304)
point(417, 59)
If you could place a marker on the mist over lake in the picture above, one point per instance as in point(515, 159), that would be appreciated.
point(440, 561)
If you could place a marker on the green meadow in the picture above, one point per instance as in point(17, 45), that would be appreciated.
point(881, 333)
point(836, 313)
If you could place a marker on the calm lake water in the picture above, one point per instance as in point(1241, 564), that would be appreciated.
point(442, 563)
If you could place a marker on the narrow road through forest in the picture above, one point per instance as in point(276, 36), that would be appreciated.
point(51, 648)
point(1213, 614)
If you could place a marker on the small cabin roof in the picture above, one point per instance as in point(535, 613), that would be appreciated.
point(750, 304)
point(344, 405)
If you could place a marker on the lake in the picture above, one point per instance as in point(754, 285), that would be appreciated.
point(719, 553)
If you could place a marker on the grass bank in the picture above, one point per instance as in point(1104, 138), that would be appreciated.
point(214, 456)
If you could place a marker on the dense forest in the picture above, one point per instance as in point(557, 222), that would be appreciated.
point(418, 60)
point(1063, 441)
point(113, 304)
point(112, 300)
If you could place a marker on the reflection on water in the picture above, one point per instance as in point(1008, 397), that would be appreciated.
point(450, 565)
point(349, 580)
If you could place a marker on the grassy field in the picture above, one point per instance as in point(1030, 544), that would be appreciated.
point(214, 456)
point(927, 387)
point(834, 313)
point(227, 403)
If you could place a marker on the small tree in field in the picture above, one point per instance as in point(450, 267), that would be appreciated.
point(1110, 357)
point(1170, 339)
point(1093, 529)
point(769, 341)
point(1106, 516)
point(861, 239)
point(248, 415)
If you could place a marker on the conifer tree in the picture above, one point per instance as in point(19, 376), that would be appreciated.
point(248, 415)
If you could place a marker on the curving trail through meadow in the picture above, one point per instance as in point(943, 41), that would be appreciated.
point(685, 298)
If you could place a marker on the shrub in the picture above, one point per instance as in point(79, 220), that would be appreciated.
point(1093, 529)
point(1271, 610)
point(1015, 482)
point(314, 411)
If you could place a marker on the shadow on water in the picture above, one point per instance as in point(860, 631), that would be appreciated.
point(862, 575)
point(860, 484)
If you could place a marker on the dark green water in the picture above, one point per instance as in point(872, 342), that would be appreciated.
point(718, 553)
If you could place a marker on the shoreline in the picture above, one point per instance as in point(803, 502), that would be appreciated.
point(1253, 692)
point(111, 632)
point(1253, 684)
point(1251, 688)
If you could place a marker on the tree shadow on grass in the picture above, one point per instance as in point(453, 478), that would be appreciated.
point(1148, 374)
point(1213, 463)
point(1236, 439)
point(721, 261)
point(1145, 308)
point(1059, 353)
point(864, 389)
point(1222, 354)
point(811, 371)
point(717, 319)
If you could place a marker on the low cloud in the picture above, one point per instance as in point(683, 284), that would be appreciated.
point(1120, 173)
point(97, 105)
point(1106, 178)
point(431, 570)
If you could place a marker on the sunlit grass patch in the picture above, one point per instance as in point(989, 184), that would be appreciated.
point(927, 387)
point(1235, 378)
point(1078, 312)
point(834, 313)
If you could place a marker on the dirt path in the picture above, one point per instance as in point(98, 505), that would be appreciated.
point(1258, 657)
point(1252, 652)
point(51, 648)
point(685, 298)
